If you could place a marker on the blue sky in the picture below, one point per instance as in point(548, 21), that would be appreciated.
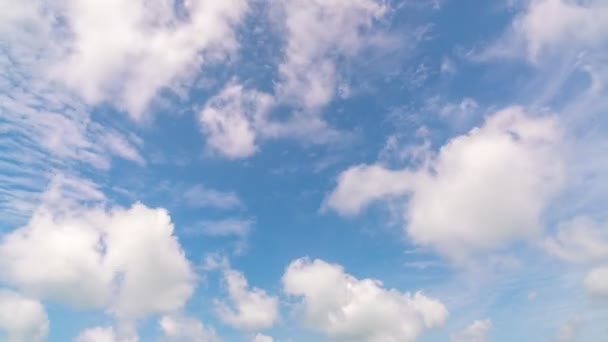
point(306, 170)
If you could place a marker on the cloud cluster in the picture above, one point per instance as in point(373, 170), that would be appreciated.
point(316, 35)
point(349, 309)
point(89, 258)
point(480, 191)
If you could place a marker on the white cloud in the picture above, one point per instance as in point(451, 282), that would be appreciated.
point(552, 27)
point(22, 318)
point(349, 309)
point(262, 338)
point(360, 185)
point(104, 266)
point(316, 33)
point(578, 240)
point(480, 191)
point(200, 196)
point(553, 24)
point(476, 332)
point(97, 334)
point(249, 309)
point(596, 282)
point(229, 118)
point(181, 328)
point(140, 47)
point(228, 227)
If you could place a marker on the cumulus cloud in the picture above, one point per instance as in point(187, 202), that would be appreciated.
point(349, 309)
point(247, 308)
point(92, 260)
point(361, 185)
point(228, 120)
point(596, 282)
point(22, 318)
point(97, 334)
point(553, 27)
point(550, 24)
point(481, 189)
point(152, 44)
point(182, 328)
point(476, 332)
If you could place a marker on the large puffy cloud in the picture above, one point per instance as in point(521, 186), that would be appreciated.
point(127, 51)
point(22, 318)
point(349, 309)
point(481, 189)
point(249, 309)
point(124, 260)
point(476, 332)
point(182, 328)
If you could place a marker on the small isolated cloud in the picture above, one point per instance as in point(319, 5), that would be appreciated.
point(480, 191)
point(22, 318)
point(230, 227)
point(182, 328)
point(345, 308)
point(247, 308)
point(200, 196)
point(262, 338)
point(578, 240)
point(476, 332)
point(229, 120)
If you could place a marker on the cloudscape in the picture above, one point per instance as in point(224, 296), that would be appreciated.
point(303, 170)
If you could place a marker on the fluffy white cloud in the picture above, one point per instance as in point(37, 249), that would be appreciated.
point(127, 51)
point(361, 185)
point(552, 24)
point(97, 334)
point(579, 240)
point(476, 332)
point(125, 260)
point(181, 328)
point(481, 189)
point(596, 282)
point(349, 309)
point(22, 318)
point(249, 309)
point(229, 120)
point(262, 338)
